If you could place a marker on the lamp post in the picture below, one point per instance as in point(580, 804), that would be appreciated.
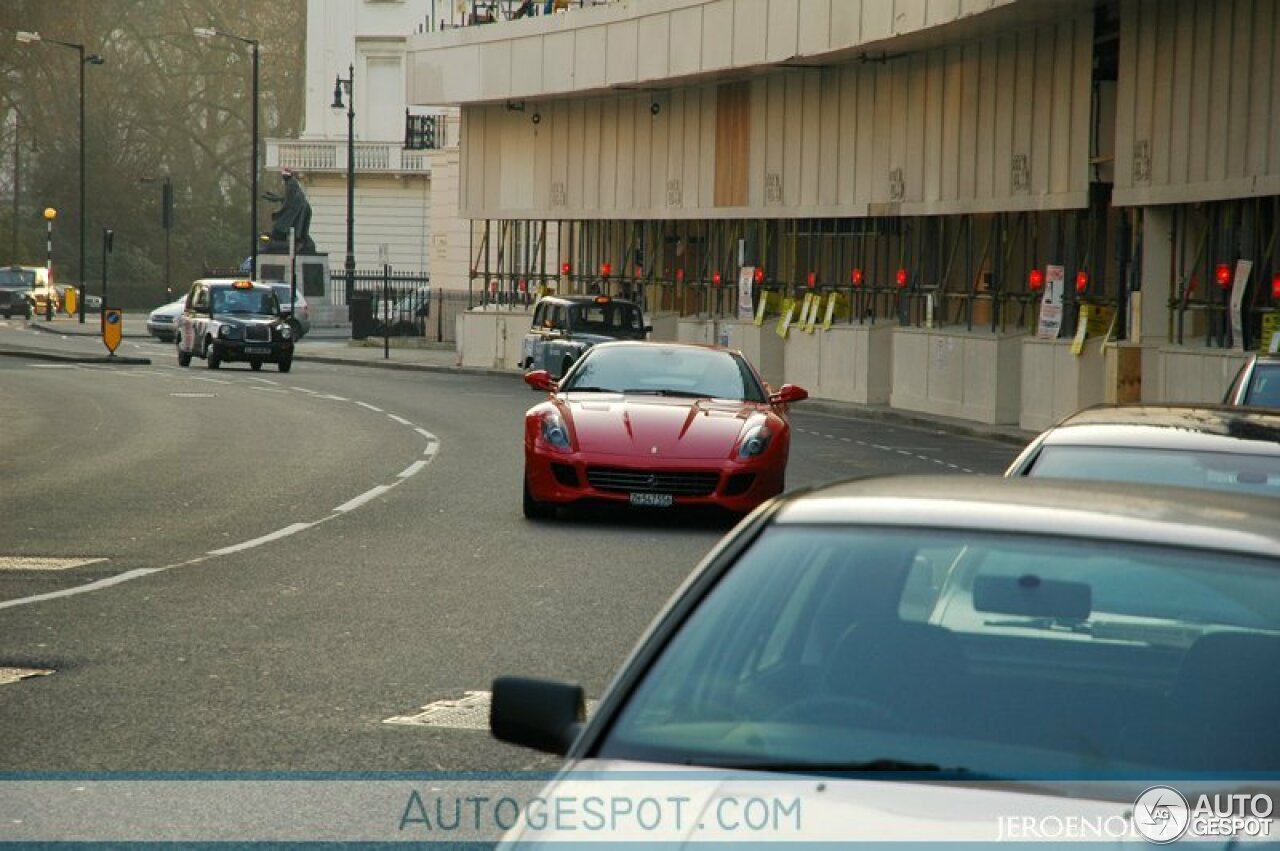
point(210, 32)
point(339, 85)
point(91, 59)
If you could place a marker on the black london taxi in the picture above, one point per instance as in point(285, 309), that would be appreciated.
point(566, 326)
point(234, 320)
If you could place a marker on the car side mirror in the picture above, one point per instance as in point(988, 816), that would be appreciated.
point(540, 379)
point(545, 715)
point(788, 393)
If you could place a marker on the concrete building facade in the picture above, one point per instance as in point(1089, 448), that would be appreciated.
point(923, 171)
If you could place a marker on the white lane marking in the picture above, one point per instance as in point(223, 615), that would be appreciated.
point(52, 366)
point(269, 389)
point(305, 390)
point(428, 435)
point(373, 408)
point(82, 589)
point(263, 380)
point(333, 398)
point(210, 380)
point(400, 420)
point(120, 578)
point(411, 469)
point(372, 493)
point(265, 539)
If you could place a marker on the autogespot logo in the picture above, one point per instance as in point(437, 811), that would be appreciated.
point(1161, 814)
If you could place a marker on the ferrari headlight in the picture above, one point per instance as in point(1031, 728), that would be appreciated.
point(755, 441)
point(554, 431)
point(228, 332)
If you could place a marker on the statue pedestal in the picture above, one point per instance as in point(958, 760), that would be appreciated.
point(311, 271)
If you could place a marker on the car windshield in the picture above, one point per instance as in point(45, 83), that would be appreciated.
point(611, 318)
point(230, 300)
point(17, 278)
point(285, 293)
point(1004, 655)
point(1264, 389)
point(1229, 471)
point(670, 370)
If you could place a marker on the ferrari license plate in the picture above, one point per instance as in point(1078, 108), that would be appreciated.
point(653, 500)
point(257, 350)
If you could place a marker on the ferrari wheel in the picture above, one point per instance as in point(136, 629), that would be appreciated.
point(533, 509)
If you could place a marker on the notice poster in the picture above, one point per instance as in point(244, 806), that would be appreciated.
point(1243, 268)
point(1050, 324)
point(746, 276)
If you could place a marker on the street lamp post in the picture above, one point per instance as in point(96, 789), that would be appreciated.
point(210, 32)
point(339, 85)
point(91, 59)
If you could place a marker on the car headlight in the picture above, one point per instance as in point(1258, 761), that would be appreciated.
point(228, 332)
point(286, 333)
point(755, 441)
point(554, 431)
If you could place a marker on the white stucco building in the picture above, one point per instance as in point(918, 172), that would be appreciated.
point(398, 150)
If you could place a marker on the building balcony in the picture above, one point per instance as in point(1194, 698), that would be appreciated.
point(423, 134)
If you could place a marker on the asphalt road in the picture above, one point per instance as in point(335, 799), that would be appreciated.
point(291, 560)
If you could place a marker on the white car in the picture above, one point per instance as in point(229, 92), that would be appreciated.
point(933, 659)
point(300, 312)
point(162, 322)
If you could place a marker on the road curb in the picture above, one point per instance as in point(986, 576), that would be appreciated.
point(419, 367)
point(47, 329)
point(40, 354)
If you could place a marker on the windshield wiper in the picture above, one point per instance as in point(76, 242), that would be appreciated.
point(651, 391)
point(587, 390)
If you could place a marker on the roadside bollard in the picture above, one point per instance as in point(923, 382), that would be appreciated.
point(48, 308)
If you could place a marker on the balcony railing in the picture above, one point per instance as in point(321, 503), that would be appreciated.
point(423, 133)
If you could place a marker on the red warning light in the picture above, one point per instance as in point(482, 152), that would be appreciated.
point(901, 278)
point(715, 278)
point(605, 270)
point(679, 274)
point(1222, 274)
point(1275, 285)
point(758, 275)
point(812, 279)
point(855, 277)
point(1035, 280)
point(1082, 281)
point(565, 268)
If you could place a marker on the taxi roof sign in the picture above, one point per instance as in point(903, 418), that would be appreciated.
point(243, 285)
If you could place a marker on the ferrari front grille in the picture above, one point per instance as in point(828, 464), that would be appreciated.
point(643, 481)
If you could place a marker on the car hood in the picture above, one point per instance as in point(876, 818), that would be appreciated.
point(247, 318)
point(657, 427)
point(689, 806)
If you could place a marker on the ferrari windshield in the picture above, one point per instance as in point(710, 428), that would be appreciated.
point(1003, 655)
point(665, 370)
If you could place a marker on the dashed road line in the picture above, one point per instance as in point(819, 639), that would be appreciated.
point(371, 493)
point(415, 467)
point(264, 539)
point(430, 451)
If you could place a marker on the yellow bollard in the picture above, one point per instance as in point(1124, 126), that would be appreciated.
point(69, 303)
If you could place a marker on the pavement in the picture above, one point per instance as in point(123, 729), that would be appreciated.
point(334, 346)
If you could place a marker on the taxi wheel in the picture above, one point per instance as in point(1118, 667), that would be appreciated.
point(285, 365)
point(255, 365)
point(212, 358)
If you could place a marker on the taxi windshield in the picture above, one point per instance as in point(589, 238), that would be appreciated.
point(244, 301)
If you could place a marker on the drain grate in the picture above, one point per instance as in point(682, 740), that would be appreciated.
point(469, 712)
point(40, 563)
point(12, 675)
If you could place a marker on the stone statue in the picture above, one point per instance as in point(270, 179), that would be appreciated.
point(294, 212)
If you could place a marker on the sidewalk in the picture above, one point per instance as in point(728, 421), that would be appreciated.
point(324, 345)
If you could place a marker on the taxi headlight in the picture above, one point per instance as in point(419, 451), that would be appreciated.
point(228, 332)
point(286, 333)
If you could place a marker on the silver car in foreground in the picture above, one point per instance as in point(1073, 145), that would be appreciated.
point(936, 658)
